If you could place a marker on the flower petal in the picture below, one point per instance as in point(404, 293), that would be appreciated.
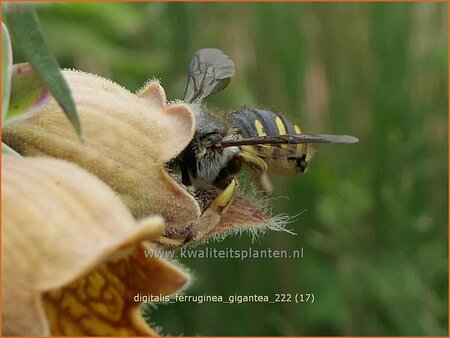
point(103, 303)
point(126, 141)
point(58, 223)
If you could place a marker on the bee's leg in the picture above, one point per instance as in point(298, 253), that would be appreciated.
point(206, 222)
point(227, 173)
point(211, 216)
point(263, 183)
point(258, 171)
point(304, 158)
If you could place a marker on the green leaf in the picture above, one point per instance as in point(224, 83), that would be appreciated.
point(26, 31)
point(6, 69)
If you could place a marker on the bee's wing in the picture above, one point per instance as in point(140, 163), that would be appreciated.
point(210, 71)
point(289, 139)
point(285, 145)
point(278, 151)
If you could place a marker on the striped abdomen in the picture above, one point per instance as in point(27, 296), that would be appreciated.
point(286, 159)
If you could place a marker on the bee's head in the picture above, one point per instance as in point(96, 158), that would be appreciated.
point(210, 139)
point(208, 142)
point(210, 131)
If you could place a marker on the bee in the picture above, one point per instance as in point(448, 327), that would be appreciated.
point(259, 140)
point(263, 141)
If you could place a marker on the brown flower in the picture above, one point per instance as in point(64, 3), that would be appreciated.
point(73, 255)
point(126, 140)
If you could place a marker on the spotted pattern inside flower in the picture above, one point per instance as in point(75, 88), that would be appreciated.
point(101, 303)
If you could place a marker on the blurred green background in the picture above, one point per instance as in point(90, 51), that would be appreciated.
point(373, 216)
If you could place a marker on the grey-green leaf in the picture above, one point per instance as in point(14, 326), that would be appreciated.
point(26, 32)
point(6, 69)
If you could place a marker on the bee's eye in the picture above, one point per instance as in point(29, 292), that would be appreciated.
point(211, 139)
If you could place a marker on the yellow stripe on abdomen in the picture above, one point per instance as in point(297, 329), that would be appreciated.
point(261, 132)
point(260, 128)
point(298, 131)
point(281, 130)
point(280, 126)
